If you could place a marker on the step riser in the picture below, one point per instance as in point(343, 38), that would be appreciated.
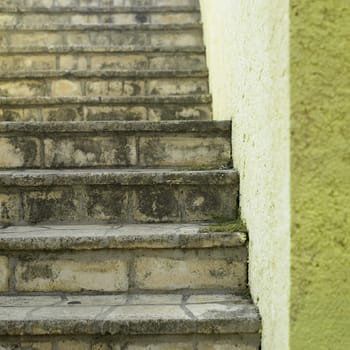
point(114, 150)
point(138, 270)
point(78, 112)
point(110, 61)
point(117, 18)
point(103, 87)
point(97, 3)
point(114, 203)
point(167, 342)
point(156, 38)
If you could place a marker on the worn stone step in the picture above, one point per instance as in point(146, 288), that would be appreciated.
point(95, 15)
point(123, 258)
point(113, 196)
point(103, 83)
point(133, 322)
point(72, 4)
point(151, 108)
point(101, 58)
point(156, 35)
point(115, 144)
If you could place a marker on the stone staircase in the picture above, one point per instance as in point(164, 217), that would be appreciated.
point(111, 170)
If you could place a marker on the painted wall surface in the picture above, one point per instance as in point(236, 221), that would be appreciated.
point(248, 59)
point(320, 168)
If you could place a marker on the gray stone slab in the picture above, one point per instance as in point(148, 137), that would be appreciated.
point(141, 236)
point(97, 316)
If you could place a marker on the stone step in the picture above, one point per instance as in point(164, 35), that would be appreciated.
point(72, 4)
point(101, 58)
point(103, 83)
point(156, 35)
point(129, 258)
point(115, 144)
point(151, 108)
point(114, 196)
point(88, 15)
point(133, 322)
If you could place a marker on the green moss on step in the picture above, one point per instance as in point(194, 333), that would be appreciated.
point(226, 226)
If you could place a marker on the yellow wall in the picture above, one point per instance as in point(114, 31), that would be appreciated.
point(320, 168)
point(247, 49)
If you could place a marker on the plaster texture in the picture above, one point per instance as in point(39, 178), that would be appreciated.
point(320, 168)
point(247, 51)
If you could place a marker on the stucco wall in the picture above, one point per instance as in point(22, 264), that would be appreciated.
point(320, 168)
point(248, 59)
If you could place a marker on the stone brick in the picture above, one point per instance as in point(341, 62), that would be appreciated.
point(4, 274)
point(77, 38)
point(23, 88)
point(92, 271)
point(105, 346)
point(184, 151)
point(130, 88)
point(115, 113)
point(19, 152)
point(129, 38)
point(175, 18)
point(165, 87)
point(161, 346)
point(180, 112)
point(84, 19)
point(90, 151)
point(11, 115)
point(208, 202)
point(33, 39)
point(36, 346)
point(52, 205)
point(177, 62)
point(63, 113)
point(27, 63)
point(72, 345)
point(157, 204)
point(9, 208)
point(106, 203)
point(60, 88)
point(115, 62)
point(101, 88)
point(163, 273)
point(179, 39)
point(235, 342)
point(70, 62)
point(7, 19)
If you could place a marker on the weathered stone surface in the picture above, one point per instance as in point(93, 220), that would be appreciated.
point(72, 273)
point(231, 343)
point(91, 237)
point(24, 89)
point(141, 319)
point(52, 205)
point(162, 346)
point(72, 345)
point(163, 273)
point(90, 151)
point(4, 274)
point(27, 62)
point(206, 203)
point(9, 207)
point(188, 151)
point(17, 152)
point(61, 88)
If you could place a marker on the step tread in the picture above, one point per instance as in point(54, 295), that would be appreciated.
point(132, 236)
point(100, 27)
point(101, 49)
point(105, 74)
point(100, 100)
point(177, 126)
point(97, 10)
point(128, 314)
point(124, 177)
